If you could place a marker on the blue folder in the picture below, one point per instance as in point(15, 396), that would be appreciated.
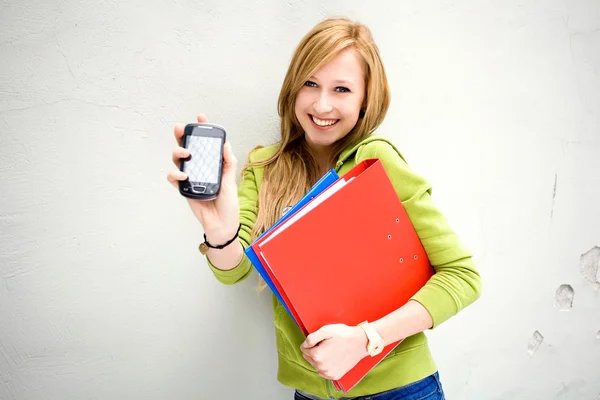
point(327, 180)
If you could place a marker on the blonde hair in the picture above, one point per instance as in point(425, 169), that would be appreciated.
point(292, 170)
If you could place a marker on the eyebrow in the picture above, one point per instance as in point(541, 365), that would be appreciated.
point(342, 82)
point(337, 81)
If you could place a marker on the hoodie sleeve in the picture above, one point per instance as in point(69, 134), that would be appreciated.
point(456, 282)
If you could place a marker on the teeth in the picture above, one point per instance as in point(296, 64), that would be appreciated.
point(323, 122)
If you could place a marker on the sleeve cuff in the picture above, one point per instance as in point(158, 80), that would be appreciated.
point(234, 275)
point(438, 302)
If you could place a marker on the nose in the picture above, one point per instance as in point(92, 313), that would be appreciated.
point(322, 104)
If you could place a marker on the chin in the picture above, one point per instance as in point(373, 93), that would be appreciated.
point(319, 140)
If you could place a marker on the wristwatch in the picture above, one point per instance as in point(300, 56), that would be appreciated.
point(376, 343)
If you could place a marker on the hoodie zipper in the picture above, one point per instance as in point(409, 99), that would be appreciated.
point(329, 384)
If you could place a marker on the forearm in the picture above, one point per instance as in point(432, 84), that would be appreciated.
point(406, 321)
point(227, 258)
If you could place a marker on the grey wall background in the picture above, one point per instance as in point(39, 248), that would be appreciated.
point(102, 292)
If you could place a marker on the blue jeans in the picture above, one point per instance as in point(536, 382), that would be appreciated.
point(429, 388)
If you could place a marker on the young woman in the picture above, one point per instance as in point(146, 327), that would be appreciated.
point(335, 94)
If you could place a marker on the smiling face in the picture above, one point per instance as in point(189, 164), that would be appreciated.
point(329, 103)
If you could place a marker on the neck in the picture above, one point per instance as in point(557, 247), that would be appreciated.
point(322, 156)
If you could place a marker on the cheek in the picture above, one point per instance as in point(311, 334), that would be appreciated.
point(352, 110)
point(351, 113)
point(303, 97)
point(300, 105)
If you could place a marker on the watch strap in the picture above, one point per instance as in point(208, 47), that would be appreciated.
point(376, 344)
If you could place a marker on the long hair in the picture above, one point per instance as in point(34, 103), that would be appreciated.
point(292, 170)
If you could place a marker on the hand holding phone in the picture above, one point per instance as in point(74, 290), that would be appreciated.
point(219, 217)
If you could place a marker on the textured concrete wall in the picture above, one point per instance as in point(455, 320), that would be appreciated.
point(102, 292)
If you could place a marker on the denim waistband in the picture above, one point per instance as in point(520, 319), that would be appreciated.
point(313, 397)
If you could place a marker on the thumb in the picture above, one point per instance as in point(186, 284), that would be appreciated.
point(229, 162)
point(317, 337)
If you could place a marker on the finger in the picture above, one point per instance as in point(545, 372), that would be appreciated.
point(310, 360)
point(309, 342)
point(229, 162)
point(228, 156)
point(178, 154)
point(312, 352)
point(317, 337)
point(202, 118)
point(175, 176)
point(316, 355)
point(304, 349)
point(179, 128)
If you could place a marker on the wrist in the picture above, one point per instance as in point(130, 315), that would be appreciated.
point(220, 245)
point(375, 343)
point(363, 341)
point(220, 235)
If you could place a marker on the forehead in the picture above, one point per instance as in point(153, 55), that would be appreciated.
point(348, 64)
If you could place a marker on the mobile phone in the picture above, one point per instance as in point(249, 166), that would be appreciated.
point(205, 164)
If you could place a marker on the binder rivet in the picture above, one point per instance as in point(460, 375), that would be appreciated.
point(389, 236)
point(397, 220)
point(402, 260)
point(416, 256)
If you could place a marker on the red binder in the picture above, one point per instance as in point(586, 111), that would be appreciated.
point(353, 257)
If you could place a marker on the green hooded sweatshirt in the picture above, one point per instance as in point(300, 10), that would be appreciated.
point(455, 284)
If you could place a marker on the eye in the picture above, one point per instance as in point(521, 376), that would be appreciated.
point(342, 89)
point(310, 84)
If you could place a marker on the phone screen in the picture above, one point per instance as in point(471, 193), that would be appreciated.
point(203, 165)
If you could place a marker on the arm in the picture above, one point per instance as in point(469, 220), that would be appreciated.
point(221, 217)
point(230, 265)
point(406, 321)
point(455, 284)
